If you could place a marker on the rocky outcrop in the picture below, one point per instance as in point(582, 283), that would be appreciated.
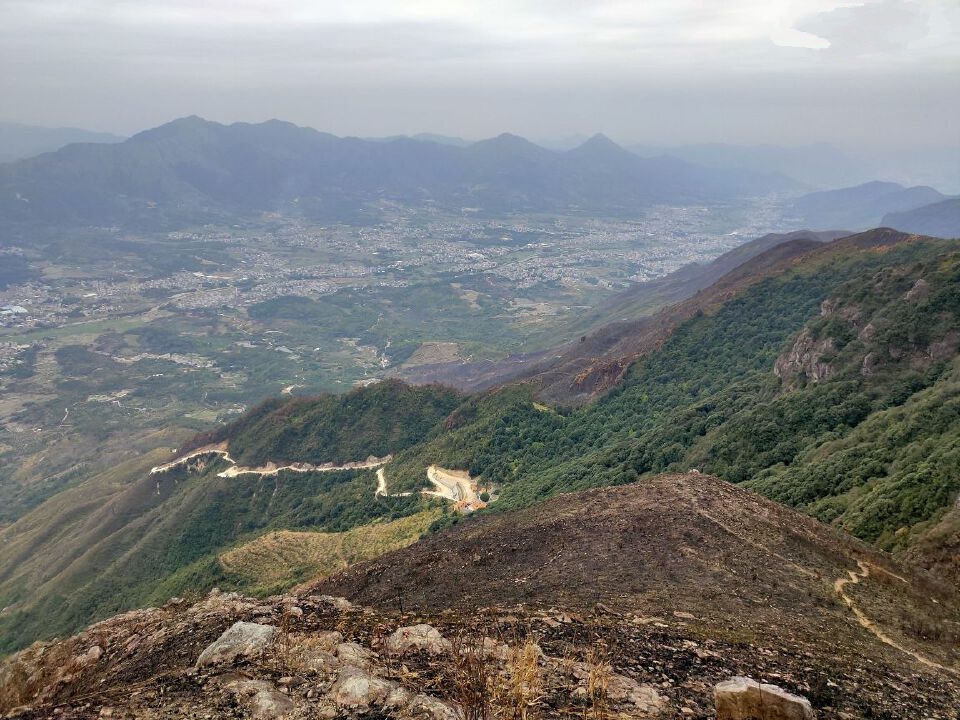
point(804, 360)
point(742, 698)
point(919, 291)
point(242, 640)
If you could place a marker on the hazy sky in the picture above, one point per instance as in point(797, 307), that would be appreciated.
point(650, 71)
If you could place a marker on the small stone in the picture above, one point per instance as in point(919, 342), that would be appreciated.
point(338, 603)
point(417, 637)
point(269, 704)
point(424, 707)
point(357, 688)
point(354, 654)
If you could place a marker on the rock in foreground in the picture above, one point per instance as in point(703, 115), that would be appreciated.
point(242, 640)
point(741, 698)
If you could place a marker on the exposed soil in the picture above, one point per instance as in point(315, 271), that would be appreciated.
point(265, 470)
point(454, 485)
point(742, 567)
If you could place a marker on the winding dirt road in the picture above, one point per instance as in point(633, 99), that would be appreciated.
point(270, 468)
point(855, 576)
point(382, 487)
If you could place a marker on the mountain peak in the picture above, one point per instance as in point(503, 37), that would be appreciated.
point(190, 123)
point(600, 146)
point(600, 140)
point(508, 140)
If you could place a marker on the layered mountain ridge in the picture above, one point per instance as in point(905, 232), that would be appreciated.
point(192, 170)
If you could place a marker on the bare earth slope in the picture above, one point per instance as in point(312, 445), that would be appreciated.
point(696, 579)
point(744, 566)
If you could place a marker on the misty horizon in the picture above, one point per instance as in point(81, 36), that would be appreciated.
point(880, 73)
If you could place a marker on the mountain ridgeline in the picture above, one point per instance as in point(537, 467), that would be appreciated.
point(863, 206)
point(192, 170)
point(375, 421)
point(823, 375)
point(941, 219)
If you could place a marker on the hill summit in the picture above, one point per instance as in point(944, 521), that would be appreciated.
point(632, 601)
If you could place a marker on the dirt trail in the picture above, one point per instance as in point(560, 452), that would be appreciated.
point(855, 576)
point(382, 487)
point(270, 468)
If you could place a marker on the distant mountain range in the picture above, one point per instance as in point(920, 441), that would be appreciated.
point(826, 166)
point(941, 219)
point(860, 207)
point(22, 141)
point(192, 170)
point(816, 165)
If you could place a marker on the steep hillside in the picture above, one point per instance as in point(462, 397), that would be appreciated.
point(131, 537)
point(691, 544)
point(613, 333)
point(859, 207)
point(192, 170)
point(620, 602)
point(940, 219)
point(762, 381)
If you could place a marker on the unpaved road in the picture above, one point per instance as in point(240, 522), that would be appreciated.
point(855, 576)
point(270, 468)
point(218, 449)
point(382, 487)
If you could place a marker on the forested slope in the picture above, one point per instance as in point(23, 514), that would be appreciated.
point(829, 386)
point(829, 382)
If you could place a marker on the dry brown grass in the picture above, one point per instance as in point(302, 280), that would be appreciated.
point(473, 677)
point(277, 559)
point(598, 683)
point(518, 698)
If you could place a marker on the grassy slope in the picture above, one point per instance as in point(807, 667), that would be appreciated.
point(274, 562)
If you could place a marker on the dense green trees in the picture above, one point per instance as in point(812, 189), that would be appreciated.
point(377, 420)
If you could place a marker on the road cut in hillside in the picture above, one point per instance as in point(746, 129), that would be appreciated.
point(218, 449)
point(269, 468)
point(272, 469)
point(382, 487)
